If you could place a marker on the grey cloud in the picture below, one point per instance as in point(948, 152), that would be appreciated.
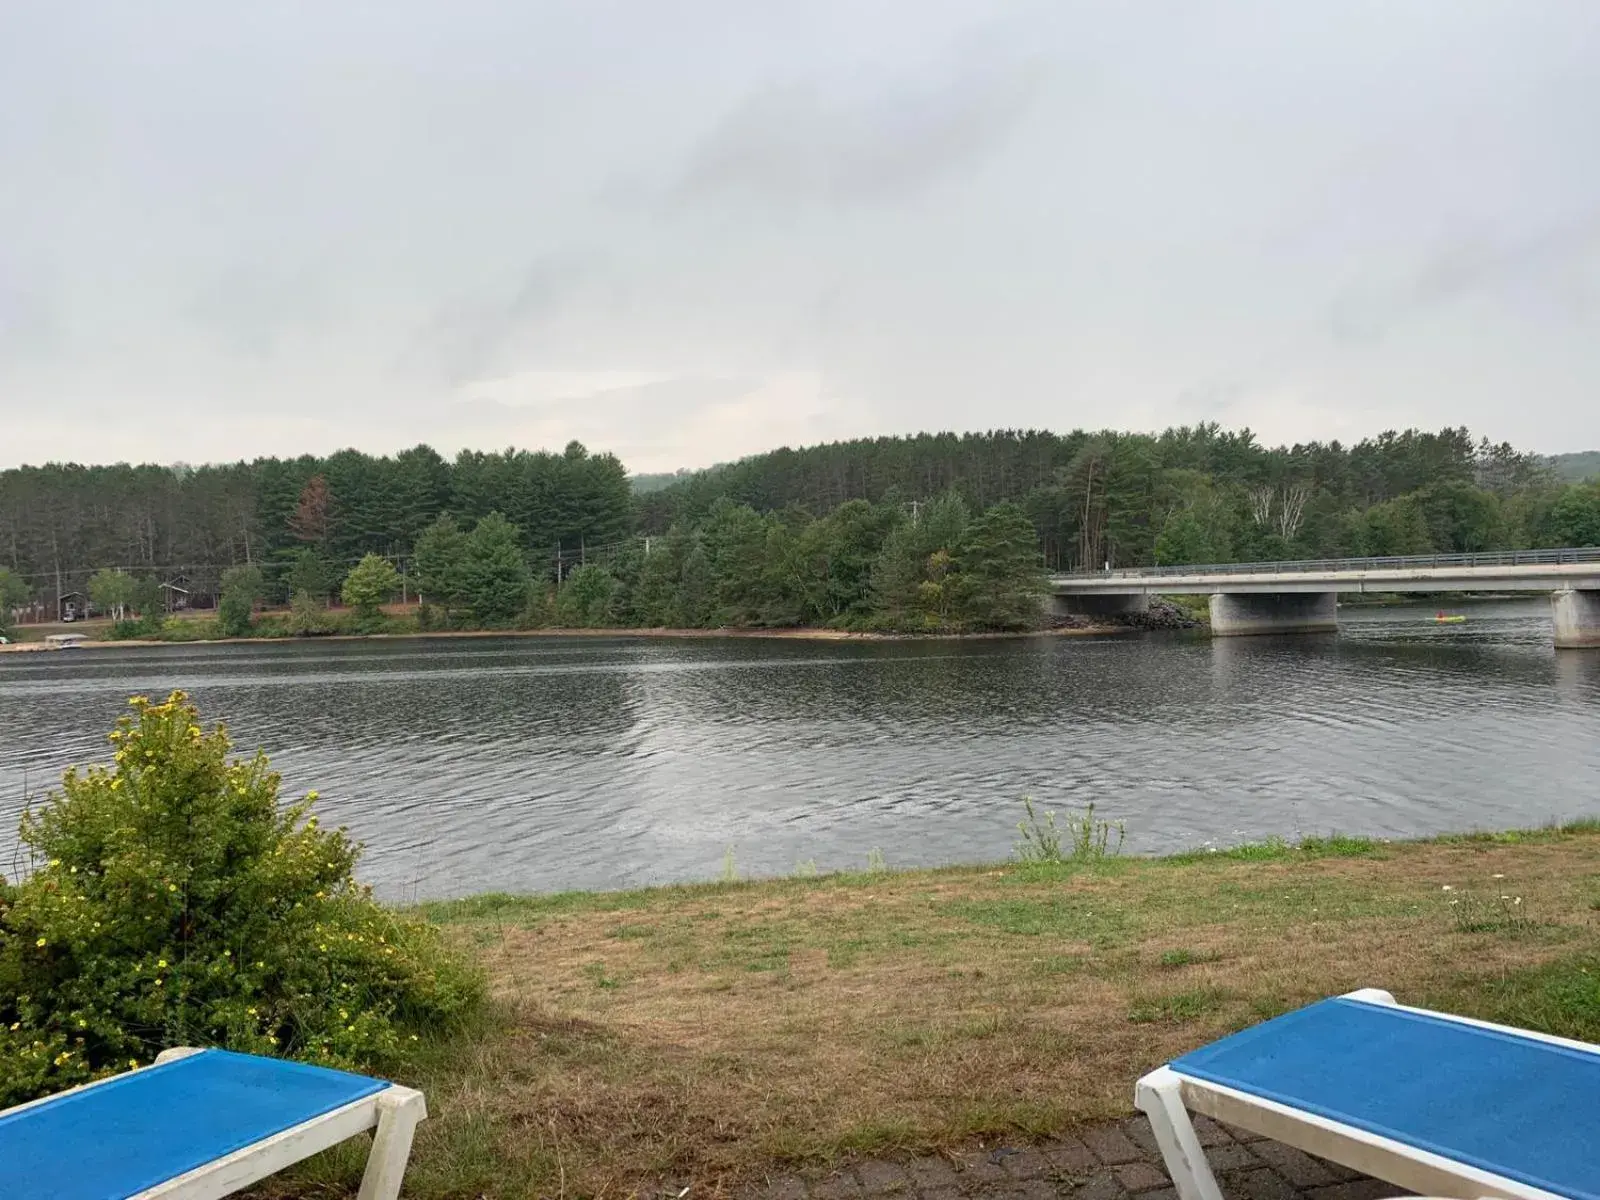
point(30, 327)
point(474, 335)
point(855, 141)
point(251, 310)
point(1551, 263)
point(631, 413)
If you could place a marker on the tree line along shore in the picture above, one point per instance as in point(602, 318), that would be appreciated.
point(931, 533)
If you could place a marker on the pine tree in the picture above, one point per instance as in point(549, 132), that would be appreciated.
point(309, 521)
point(440, 561)
point(1002, 582)
point(495, 579)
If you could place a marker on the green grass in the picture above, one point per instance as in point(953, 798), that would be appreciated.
point(1277, 849)
point(1082, 919)
point(1177, 1007)
point(1560, 997)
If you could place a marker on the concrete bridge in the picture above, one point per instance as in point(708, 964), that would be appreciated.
point(1301, 597)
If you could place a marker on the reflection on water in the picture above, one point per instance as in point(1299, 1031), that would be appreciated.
point(531, 764)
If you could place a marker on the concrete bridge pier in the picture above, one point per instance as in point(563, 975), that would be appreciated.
point(1236, 614)
point(1577, 618)
point(1100, 604)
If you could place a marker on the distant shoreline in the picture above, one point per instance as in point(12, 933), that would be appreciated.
point(800, 634)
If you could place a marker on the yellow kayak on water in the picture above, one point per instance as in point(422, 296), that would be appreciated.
point(1448, 619)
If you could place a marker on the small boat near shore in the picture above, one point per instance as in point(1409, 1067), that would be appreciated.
point(1448, 619)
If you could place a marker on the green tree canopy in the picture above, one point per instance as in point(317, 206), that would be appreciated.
point(111, 591)
point(586, 597)
point(1002, 579)
point(440, 560)
point(242, 588)
point(371, 583)
point(13, 595)
point(495, 579)
point(310, 575)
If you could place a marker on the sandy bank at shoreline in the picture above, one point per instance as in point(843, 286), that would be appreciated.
point(816, 635)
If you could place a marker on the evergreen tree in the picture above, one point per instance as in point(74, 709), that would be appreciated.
point(440, 559)
point(495, 578)
point(310, 575)
point(586, 597)
point(656, 600)
point(1002, 581)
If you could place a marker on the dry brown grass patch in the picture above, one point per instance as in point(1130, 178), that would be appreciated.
point(714, 1034)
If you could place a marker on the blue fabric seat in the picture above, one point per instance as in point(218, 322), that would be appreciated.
point(1521, 1108)
point(132, 1132)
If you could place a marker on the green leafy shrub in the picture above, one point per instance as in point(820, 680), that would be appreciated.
point(174, 902)
point(150, 625)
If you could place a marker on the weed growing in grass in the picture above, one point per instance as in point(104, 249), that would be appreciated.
point(730, 869)
point(596, 971)
point(1184, 958)
point(1057, 964)
point(1083, 839)
point(1500, 913)
point(876, 863)
point(806, 869)
point(1176, 1008)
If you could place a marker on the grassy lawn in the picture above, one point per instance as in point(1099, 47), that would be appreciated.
point(719, 1032)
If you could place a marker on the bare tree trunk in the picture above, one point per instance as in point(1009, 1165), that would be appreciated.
point(1293, 508)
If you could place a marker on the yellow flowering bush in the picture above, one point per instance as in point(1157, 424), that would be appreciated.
point(175, 901)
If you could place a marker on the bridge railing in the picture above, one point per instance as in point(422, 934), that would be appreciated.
point(1496, 558)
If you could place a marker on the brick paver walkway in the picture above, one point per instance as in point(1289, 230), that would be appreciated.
point(1105, 1162)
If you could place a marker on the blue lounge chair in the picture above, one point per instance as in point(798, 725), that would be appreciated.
point(1436, 1104)
point(201, 1124)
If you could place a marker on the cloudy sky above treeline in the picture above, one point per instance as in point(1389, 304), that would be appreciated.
point(688, 230)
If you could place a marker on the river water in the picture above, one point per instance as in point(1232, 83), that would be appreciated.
point(533, 764)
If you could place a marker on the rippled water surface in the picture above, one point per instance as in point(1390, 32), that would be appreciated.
point(469, 765)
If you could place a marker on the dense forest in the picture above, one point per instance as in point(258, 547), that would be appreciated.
point(930, 531)
point(1190, 494)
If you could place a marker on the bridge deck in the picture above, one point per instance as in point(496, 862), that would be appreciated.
point(1524, 571)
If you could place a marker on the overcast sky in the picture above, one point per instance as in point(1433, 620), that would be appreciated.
point(688, 230)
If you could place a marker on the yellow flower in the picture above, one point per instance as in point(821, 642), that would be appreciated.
point(134, 1063)
point(161, 962)
point(172, 887)
point(40, 943)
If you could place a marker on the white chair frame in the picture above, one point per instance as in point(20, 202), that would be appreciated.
point(1168, 1098)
